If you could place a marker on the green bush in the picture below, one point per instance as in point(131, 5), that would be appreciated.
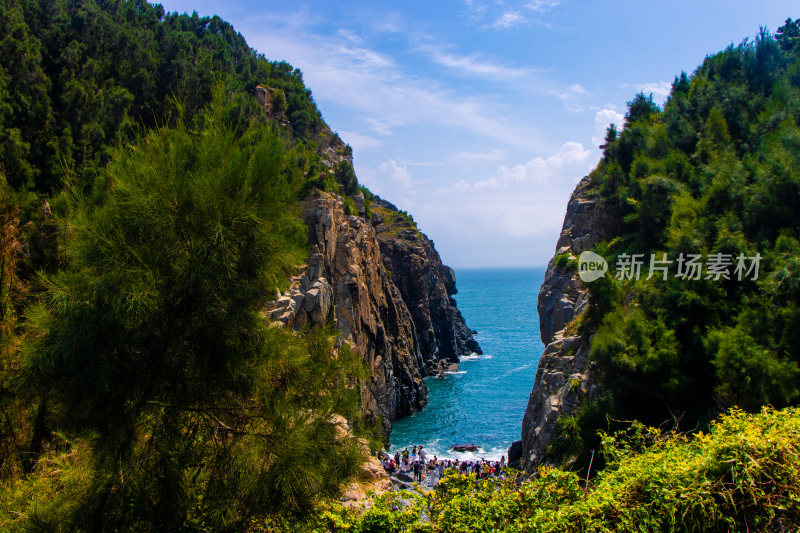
point(350, 206)
point(567, 262)
point(744, 473)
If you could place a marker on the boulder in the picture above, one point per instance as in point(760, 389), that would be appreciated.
point(515, 454)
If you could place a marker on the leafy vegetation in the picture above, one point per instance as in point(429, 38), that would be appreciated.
point(567, 262)
point(78, 78)
point(397, 224)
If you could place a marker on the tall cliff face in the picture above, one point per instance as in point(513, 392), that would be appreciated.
point(345, 282)
point(389, 295)
point(564, 377)
point(380, 281)
point(427, 287)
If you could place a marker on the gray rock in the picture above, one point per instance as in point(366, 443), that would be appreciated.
point(564, 378)
point(310, 299)
point(405, 477)
point(358, 200)
point(298, 298)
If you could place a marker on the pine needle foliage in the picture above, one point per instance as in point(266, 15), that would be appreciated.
point(151, 344)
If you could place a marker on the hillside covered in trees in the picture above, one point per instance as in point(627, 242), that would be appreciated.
point(148, 212)
point(714, 174)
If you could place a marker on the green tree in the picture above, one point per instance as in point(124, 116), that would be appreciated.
point(152, 344)
point(346, 178)
point(641, 107)
point(788, 35)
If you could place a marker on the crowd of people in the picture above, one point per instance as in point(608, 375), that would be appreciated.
point(418, 462)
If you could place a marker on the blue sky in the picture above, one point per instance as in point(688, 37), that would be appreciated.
point(480, 116)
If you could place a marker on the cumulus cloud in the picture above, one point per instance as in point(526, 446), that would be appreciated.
point(660, 89)
point(602, 120)
point(563, 168)
point(567, 165)
point(396, 174)
point(391, 180)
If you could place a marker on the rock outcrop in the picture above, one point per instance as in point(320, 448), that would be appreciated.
point(427, 287)
point(564, 377)
point(404, 325)
point(345, 281)
point(372, 479)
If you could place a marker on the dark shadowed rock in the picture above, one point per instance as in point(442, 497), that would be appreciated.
point(345, 281)
point(515, 454)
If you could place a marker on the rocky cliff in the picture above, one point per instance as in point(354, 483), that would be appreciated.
point(345, 282)
point(389, 295)
point(427, 287)
point(379, 280)
point(564, 377)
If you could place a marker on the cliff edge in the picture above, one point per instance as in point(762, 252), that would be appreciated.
point(564, 376)
point(427, 287)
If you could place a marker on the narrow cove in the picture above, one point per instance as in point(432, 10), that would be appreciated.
point(484, 401)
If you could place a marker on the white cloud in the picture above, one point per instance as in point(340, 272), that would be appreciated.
point(508, 19)
point(396, 174)
point(383, 94)
point(576, 88)
point(349, 35)
point(603, 119)
point(359, 141)
point(508, 14)
point(563, 168)
point(512, 217)
point(541, 5)
point(573, 97)
point(660, 89)
point(474, 65)
point(527, 79)
point(493, 155)
point(391, 180)
point(568, 165)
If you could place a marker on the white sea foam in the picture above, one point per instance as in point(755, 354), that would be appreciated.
point(457, 372)
point(442, 450)
point(471, 357)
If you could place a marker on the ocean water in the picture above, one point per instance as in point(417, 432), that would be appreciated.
point(484, 402)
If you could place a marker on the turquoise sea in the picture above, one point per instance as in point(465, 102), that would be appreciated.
point(484, 402)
